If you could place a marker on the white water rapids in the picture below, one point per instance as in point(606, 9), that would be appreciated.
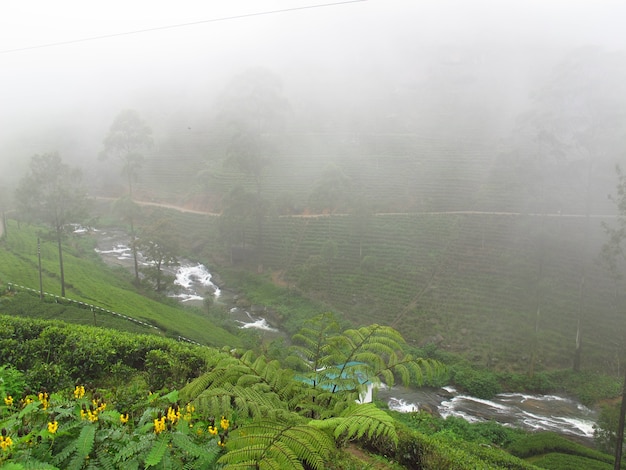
point(194, 281)
point(533, 412)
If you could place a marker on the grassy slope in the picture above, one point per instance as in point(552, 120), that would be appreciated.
point(91, 281)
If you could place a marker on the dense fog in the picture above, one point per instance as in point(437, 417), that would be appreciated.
point(515, 79)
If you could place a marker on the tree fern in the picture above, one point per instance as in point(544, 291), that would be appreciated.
point(342, 361)
point(273, 444)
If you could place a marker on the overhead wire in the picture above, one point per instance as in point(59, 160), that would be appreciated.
point(178, 25)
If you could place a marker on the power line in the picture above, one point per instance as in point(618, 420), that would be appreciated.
point(179, 25)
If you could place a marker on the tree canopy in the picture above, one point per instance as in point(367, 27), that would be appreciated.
point(52, 193)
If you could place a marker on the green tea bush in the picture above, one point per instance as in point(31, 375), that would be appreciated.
point(555, 461)
point(478, 383)
point(548, 442)
point(57, 355)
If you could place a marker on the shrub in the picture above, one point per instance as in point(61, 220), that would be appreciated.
point(478, 383)
point(12, 381)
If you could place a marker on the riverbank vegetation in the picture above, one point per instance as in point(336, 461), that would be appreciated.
point(162, 369)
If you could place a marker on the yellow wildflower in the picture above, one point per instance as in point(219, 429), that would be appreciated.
point(159, 425)
point(173, 415)
point(53, 426)
point(79, 392)
point(124, 418)
point(90, 413)
point(99, 405)
point(8, 400)
point(189, 409)
point(224, 423)
point(213, 430)
point(26, 401)
point(5, 442)
point(44, 399)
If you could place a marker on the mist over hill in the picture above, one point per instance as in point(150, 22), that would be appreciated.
point(513, 110)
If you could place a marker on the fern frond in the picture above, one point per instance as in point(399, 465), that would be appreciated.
point(84, 443)
point(365, 420)
point(105, 461)
point(76, 463)
point(33, 464)
point(158, 450)
point(134, 448)
point(65, 454)
point(269, 443)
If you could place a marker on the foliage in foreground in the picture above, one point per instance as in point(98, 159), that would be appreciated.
point(57, 355)
point(267, 421)
point(79, 429)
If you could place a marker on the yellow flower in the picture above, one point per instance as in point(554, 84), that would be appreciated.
point(92, 415)
point(189, 409)
point(124, 418)
point(99, 405)
point(173, 415)
point(213, 430)
point(159, 425)
point(26, 401)
point(44, 399)
point(224, 423)
point(79, 392)
point(8, 400)
point(53, 426)
point(5, 442)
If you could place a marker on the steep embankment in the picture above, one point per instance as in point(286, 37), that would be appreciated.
point(507, 289)
point(89, 281)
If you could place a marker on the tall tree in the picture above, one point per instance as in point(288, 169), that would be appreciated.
point(52, 193)
point(160, 247)
point(129, 136)
point(613, 257)
point(252, 112)
point(568, 137)
point(130, 211)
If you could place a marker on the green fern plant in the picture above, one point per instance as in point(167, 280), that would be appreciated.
point(273, 444)
point(295, 420)
point(345, 362)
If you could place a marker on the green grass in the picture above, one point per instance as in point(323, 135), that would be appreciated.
point(90, 280)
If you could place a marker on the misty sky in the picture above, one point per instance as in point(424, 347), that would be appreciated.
point(81, 86)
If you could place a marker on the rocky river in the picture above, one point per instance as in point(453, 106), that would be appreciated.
point(194, 282)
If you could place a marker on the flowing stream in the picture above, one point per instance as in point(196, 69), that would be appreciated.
point(533, 412)
point(193, 281)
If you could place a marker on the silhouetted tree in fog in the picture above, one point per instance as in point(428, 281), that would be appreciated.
point(52, 193)
point(251, 114)
point(128, 137)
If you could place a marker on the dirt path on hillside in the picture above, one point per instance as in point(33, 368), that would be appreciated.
point(382, 214)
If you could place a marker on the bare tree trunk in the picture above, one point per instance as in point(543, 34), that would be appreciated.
point(133, 247)
point(61, 269)
point(619, 441)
